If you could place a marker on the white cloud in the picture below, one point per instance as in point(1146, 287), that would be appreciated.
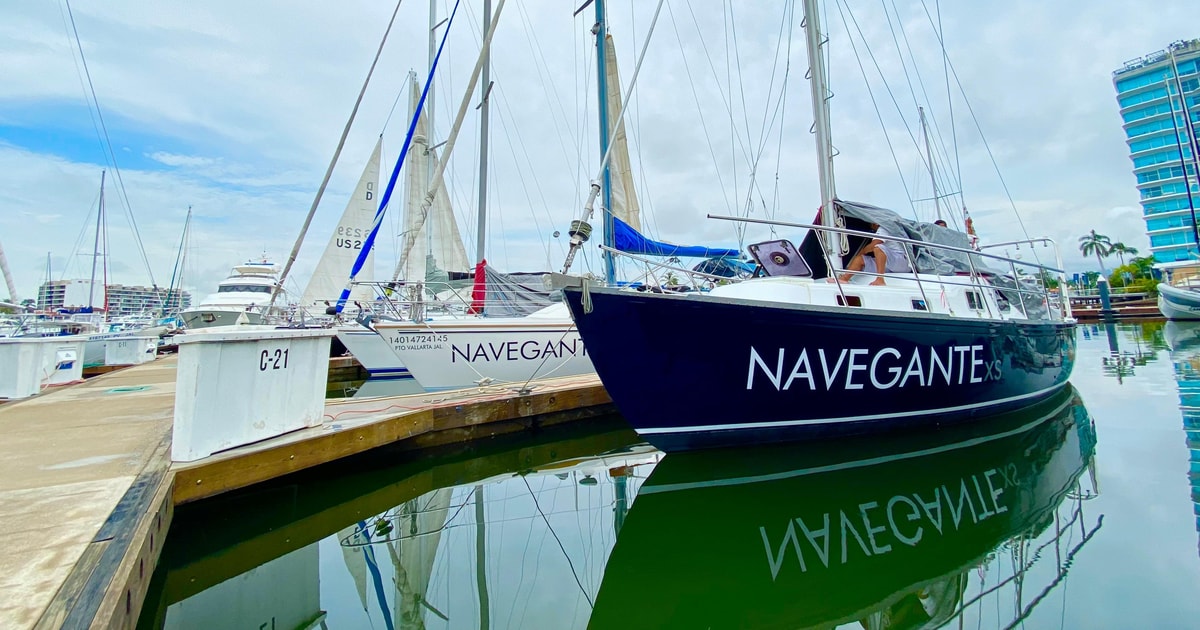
point(171, 159)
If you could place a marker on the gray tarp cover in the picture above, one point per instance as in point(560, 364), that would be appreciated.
point(514, 294)
point(941, 261)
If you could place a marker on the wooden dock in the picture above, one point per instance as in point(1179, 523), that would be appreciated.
point(89, 489)
point(1140, 311)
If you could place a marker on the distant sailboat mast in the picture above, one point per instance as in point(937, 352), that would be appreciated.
point(937, 202)
point(96, 245)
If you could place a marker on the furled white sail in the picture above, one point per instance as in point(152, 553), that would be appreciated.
point(624, 199)
point(349, 237)
point(437, 235)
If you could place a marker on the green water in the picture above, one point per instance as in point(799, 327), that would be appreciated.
point(1075, 513)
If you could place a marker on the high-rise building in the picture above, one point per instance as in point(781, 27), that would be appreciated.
point(1159, 96)
point(120, 299)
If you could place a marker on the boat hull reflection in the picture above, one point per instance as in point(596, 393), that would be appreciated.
point(817, 534)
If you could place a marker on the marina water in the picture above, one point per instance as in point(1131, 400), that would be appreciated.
point(1077, 512)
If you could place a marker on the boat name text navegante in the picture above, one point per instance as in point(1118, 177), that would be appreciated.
point(871, 528)
point(885, 368)
point(528, 350)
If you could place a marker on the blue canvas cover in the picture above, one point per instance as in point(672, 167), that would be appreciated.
point(627, 239)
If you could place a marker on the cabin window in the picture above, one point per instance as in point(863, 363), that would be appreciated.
point(849, 300)
point(919, 305)
point(974, 300)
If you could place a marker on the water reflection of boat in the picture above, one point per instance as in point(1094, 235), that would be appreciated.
point(398, 541)
point(888, 534)
point(1184, 340)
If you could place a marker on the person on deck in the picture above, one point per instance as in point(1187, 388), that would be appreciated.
point(940, 222)
point(884, 257)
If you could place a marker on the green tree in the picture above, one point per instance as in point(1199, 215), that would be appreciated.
point(1144, 265)
point(1097, 244)
point(1121, 250)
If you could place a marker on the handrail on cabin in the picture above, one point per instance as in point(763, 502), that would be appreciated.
point(900, 239)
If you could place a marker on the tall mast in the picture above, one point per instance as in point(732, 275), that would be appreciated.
point(485, 87)
point(430, 111)
point(929, 161)
point(820, 104)
point(96, 244)
point(601, 31)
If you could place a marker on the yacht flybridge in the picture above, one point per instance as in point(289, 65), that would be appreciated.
point(242, 298)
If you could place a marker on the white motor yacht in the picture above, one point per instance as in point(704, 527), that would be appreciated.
point(242, 298)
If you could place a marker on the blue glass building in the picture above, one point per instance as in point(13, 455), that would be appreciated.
point(1161, 131)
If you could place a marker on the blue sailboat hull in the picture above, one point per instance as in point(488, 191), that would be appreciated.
point(691, 372)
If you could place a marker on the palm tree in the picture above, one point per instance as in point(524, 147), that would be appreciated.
point(1097, 244)
point(1121, 250)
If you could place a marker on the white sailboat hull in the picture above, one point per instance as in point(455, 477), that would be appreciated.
point(372, 351)
point(1176, 303)
point(452, 354)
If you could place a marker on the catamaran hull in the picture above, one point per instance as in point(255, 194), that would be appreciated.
point(213, 317)
point(373, 353)
point(692, 372)
point(1176, 303)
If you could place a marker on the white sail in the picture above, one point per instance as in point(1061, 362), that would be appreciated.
point(437, 235)
point(623, 197)
point(8, 279)
point(347, 240)
point(419, 528)
point(356, 563)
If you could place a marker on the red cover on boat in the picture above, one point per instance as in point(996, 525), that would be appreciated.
point(479, 291)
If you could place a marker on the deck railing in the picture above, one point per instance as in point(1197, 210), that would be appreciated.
point(975, 275)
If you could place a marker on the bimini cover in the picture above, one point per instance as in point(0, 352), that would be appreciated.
point(859, 216)
point(627, 239)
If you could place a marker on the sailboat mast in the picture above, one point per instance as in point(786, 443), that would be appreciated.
point(820, 105)
point(929, 161)
point(485, 87)
point(601, 31)
point(430, 111)
point(96, 244)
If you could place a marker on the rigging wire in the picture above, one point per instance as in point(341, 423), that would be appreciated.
point(950, 103)
point(696, 97)
point(783, 109)
point(332, 162)
point(566, 555)
point(112, 156)
point(875, 105)
point(954, 176)
point(725, 99)
point(979, 128)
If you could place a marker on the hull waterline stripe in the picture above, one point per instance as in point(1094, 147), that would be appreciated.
point(861, 463)
point(877, 416)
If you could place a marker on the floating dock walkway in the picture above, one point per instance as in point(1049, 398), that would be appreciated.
point(89, 488)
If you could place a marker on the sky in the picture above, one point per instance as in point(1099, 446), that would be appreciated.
point(234, 109)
